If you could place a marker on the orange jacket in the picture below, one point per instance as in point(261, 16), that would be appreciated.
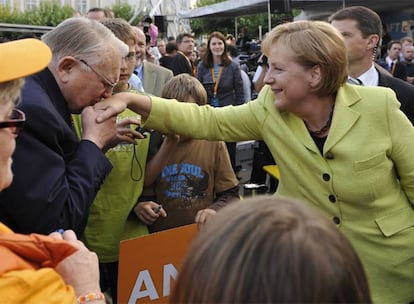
point(26, 268)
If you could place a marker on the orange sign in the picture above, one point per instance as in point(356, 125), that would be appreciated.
point(148, 265)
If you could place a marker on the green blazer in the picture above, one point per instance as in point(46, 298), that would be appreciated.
point(363, 180)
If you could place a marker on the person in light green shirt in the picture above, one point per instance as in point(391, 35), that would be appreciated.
point(111, 218)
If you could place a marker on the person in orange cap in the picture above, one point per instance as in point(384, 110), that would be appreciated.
point(36, 268)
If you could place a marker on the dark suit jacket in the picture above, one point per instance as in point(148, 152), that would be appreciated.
point(179, 65)
point(56, 176)
point(165, 61)
point(400, 71)
point(403, 90)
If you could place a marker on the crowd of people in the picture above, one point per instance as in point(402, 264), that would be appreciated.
point(107, 153)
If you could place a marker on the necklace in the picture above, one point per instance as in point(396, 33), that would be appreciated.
point(324, 128)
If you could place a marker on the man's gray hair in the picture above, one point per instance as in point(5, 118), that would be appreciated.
point(83, 38)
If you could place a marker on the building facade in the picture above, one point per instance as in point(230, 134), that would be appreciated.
point(167, 9)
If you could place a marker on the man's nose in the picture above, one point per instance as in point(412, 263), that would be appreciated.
point(107, 93)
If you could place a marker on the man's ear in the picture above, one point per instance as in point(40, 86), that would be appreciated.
point(64, 68)
point(373, 41)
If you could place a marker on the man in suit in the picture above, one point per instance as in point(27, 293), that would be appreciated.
point(408, 57)
point(362, 30)
point(57, 175)
point(181, 62)
point(151, 76)
point(392, 63)
point(170, 51)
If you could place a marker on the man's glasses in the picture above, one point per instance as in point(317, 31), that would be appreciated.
point(16, 122)
point(107, 84)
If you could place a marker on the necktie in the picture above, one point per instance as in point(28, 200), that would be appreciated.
point(355, 81)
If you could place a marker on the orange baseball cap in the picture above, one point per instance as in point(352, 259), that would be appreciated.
point(21, 58)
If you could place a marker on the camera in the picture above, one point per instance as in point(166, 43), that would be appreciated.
point(209, 87)
point(142, 130)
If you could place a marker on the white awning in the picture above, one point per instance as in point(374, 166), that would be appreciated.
point(235, 8)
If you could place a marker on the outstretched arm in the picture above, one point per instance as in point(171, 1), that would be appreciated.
point(140, 104)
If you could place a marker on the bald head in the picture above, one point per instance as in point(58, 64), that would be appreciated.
point(141, 45)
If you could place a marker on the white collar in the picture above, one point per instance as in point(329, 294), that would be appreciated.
point(370, 77)
point(388, 60)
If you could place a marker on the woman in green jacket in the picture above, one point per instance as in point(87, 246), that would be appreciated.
point(344, 149)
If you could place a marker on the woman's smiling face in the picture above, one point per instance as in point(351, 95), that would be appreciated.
point(289, 80)
point(216, 46)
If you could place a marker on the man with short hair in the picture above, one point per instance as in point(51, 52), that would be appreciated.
point(362, 28)
point(151, 76)
point(170, 51)
point(181, 62)
point(408, 56)
point(202, 50)
point(96, 13)
point(392, 63)
point(405, 41)
point(161, 44)
point(56, 175)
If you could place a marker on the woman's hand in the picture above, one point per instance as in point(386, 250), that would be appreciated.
point(81, 269)
point(140, 104)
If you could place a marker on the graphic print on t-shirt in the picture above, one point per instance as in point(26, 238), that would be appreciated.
point(185, 181)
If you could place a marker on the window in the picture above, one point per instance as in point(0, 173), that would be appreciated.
point(31, 4)
point(82, 6)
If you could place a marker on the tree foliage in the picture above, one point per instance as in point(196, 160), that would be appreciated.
point(126, 11)
point(48, 13)
point(51, 13)
point(8, 15)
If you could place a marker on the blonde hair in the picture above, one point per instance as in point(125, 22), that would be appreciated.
point(184, 86)
point(314, 43)
point(10, 90)
point(122, 29)
point(271, 250)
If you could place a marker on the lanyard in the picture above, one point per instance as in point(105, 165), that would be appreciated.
point(190, 63)
point(216, 81)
